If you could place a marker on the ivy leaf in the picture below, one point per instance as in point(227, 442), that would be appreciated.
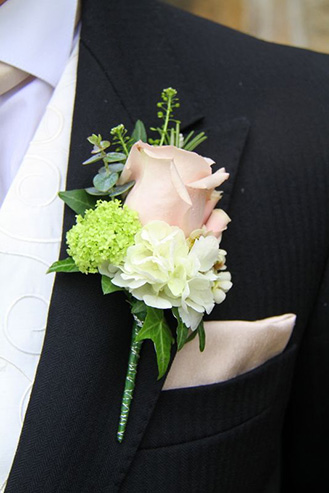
point(104, 182)
point(139, 132)
point(181, 330)
point(78, 200)
point(108, 287)
point(66, 265)
point(155, 328)
point(139, 309)
point(121, 189)
point(202, 336)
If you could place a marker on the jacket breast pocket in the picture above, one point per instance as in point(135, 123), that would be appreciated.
point(192, 413)
point(220, 437)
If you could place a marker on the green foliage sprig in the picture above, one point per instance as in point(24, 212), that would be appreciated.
point(121, 139)
point(107, 177)
point(169, 132)
point(166, 106)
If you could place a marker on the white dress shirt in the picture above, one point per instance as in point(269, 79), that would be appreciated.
point(35, 123)
point(35, 36)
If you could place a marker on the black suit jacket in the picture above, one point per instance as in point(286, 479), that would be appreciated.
point(266, 111)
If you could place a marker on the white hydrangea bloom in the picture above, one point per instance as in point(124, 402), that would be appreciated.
point(221, 286)
point(166, 270)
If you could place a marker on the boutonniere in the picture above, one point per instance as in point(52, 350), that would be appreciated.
point(149, 227)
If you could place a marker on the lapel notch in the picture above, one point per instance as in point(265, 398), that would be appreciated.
point(225, 145)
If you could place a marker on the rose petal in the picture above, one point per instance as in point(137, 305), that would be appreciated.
point(209, 160)
point(134, 166)
point(179, 185)
point(217, 222)
point(210, 204)
point(155, 195)
point(172, 185)
point(211, 181)
point(190, 165)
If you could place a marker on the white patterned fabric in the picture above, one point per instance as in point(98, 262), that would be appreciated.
point(30, 233)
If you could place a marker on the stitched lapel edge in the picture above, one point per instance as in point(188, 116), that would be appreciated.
point(225, 145)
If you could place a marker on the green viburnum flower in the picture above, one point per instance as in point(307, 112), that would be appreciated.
point(102, 235)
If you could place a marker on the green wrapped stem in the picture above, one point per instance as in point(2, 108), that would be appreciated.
point(135, 349)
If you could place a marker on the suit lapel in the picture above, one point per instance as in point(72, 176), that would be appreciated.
point(68, 442)
point(137, 57)
point(225, 145)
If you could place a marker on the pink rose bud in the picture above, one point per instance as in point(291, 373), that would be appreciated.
point(173, 185)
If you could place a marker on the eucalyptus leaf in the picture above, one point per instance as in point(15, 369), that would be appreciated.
point(103, 183)
point(116, 167)
point(103, 171)
point(66, 265)
point(181, 330)
point(94, 159)
point(95, 139)
point(104, 144)
point(121, 189)
point(113, 157)
point(155, 328)
point(95, 192)
point(139, 132)
point(108, 287)
point(78, 200)
point(111, 168)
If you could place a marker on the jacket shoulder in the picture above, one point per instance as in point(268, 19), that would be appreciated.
point(220, 47)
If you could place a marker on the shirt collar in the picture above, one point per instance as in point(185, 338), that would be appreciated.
point(36, 36)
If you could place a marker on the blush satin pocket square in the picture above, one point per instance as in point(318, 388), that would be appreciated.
point(232, 347)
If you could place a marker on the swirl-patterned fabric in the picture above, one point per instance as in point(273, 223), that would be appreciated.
point(30, 235)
